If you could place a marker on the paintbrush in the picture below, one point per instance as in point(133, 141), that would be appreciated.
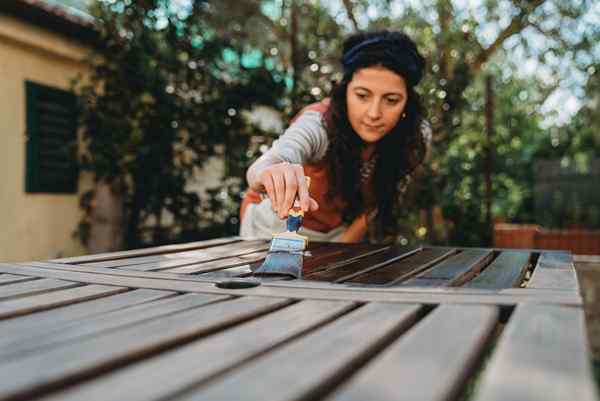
point(286, 253)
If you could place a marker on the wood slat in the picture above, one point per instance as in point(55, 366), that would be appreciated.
point(316, 361)
point(453, 271)
point(22, 343)
point(68, 363)
point(13, 278)
point(542, 355)
point(227, 263)
point(555, 270)
point(158, 262)
point(33, 287)
point(506, 271)
point(146, 251)
point(424, 365)
point(405, 268)
point(345, 270)
point(22, 306)
point(50, 319)
point(187, 366)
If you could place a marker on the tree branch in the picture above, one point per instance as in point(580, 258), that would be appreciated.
point(516, 25)
point(350, 11)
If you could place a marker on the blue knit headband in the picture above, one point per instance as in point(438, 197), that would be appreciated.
point(410, 64)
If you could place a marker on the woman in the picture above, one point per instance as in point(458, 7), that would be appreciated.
point(358, 147)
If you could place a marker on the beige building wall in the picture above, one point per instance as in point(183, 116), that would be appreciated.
point(33, 226)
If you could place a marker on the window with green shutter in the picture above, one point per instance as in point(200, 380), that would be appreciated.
point(51, 140)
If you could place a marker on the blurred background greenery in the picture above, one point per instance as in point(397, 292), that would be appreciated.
point(512, 92)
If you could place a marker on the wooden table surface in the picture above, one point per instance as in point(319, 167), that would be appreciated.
point(367, 322)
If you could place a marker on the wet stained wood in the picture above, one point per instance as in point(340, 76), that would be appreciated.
point(86, 358)
point(403, 269)
point(400, 371)
point(347, 269)
point(453, 271)
point(186, 366)
point(542, 355)
point(320, 359)
point(331, 255)
point(506, 271)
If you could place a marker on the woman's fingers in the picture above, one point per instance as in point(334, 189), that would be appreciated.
point(303, 195)
point(284, 182)
point(279, 185)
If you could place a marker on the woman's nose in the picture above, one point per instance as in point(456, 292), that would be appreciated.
point(374, 111)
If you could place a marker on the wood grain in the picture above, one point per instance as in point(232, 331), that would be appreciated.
point(187, 366)
point(87, 358)
point(320, 358)
point(19, 345)
point(506, 271)
point(555, 270)
point(146, 251)
point(33, 287)
point(346, 270)
point(47, 320)
point(190, 256)
point(405, 268)
point(13, 278)
point(455, 270)
point(542, 355)
point(406, 368)
point(22, 306)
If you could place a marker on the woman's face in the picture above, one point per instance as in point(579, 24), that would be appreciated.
point(375, 98)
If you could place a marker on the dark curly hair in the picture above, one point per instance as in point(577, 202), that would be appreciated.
point(399, 152)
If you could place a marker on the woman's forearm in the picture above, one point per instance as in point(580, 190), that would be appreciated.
point(357, 230)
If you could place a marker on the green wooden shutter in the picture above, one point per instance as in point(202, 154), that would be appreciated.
point(51, 140)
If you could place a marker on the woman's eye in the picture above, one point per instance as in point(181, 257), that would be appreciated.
point(393, 101)
point(361, 96)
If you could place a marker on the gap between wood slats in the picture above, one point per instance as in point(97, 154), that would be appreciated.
point(83, 309)
point(18, 347)
point(34, 287)
point(401, 269)
point(543, 354)
point(42, 302)
point(13, 278)
point(422, 364)
point(38, 374)
point(320, 359)
point(185, 368)
point(470, 385)
point(347, 269)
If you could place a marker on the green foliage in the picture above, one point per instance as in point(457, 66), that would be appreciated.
point(160, 101)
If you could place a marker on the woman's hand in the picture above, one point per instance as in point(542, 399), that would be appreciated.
point(283, 182)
